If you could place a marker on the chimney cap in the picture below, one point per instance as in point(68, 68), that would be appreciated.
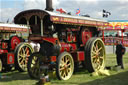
point(49, 5)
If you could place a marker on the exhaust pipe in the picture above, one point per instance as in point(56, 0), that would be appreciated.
point(49, 5)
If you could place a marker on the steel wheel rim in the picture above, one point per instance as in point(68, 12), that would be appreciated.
point(97, 54)
point(23, 55)
point(35, 67)
point(66, 67)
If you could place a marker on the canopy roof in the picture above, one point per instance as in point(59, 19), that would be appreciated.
point(61, 18)
point(117, 25)
point(13, 27)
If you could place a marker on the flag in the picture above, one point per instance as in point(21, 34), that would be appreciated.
point(61, 10)
point(78, 12)
point(106, 13)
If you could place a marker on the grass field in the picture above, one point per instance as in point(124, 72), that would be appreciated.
point(79, 78)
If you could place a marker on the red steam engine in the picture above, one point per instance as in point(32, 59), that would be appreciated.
point(65, 42)
point(10, 41)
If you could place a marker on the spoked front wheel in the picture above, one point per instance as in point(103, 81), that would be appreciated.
point(22, 53)
point(65, 66)
point(34, 65)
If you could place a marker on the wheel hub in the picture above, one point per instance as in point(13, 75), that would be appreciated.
point(65, 66)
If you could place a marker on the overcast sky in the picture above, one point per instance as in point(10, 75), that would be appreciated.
point(118, 8)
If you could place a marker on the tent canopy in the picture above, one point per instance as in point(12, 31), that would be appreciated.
point(117, 25)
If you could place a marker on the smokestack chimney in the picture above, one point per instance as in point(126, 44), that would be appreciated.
point(49, 5)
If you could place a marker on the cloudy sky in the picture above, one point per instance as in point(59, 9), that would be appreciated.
point(118, 8)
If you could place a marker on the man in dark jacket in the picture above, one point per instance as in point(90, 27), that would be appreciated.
point(120, 50)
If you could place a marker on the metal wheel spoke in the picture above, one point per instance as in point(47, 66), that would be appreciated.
point(96, 46)
point(33, 65)
point(62, 63)
point(35, 58)
point(101, 57)
point(28, 52)
point(19, 59)
point(95, 61)
point(66, 71)
point(99, 49)
point(98, 61)
point(67, 60)
point(94, 57)
point(23, 66)
point(22, 61)
point(20, 55)
point(33, 62)
point(68, 65)
point(61, 69)
point(63, 74)
point(69, 69)
point(93, 52)
point(98, 64)
point(27, 56)
point(23, 50)
point(26, 61)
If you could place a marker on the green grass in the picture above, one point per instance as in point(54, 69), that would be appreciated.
point(79, 78)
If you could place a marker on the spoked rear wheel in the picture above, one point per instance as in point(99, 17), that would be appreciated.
point(95, 54)
point(65, 66)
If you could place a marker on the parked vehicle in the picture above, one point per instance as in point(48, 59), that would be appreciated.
point(11, 37)
point(65, 41)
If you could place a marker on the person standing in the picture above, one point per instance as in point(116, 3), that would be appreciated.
point(120, 50)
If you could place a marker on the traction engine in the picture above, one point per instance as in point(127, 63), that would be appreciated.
point(13, 50)
point(66, 41)
point(7, 52)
